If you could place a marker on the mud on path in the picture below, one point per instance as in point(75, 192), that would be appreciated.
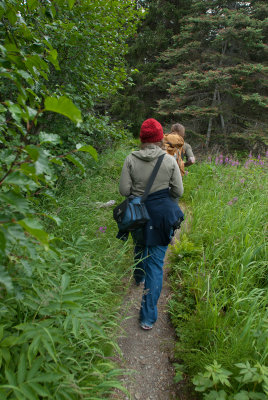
point(147, 355)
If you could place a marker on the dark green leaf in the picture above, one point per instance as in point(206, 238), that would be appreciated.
point(21, 368)
point(63, 105)
point(17, 201)
point(5, 280)
point(2, 241)
point(71, 3)
point(49, 138)
point(76, 162)
point(88, 149)
point(33, 227)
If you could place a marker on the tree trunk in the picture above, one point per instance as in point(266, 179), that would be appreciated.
point(210, 119)
point(221, 116)
point(215, 96)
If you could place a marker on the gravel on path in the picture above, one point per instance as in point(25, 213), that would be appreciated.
point(147, 355)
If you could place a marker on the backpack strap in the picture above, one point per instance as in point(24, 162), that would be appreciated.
point(152, 177)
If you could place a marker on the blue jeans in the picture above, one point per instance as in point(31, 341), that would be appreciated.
point(150, 268)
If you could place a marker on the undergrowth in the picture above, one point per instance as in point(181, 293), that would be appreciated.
point(219, 281)
point(57, 336)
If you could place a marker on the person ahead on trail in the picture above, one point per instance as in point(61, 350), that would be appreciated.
point(152, 240)
point(173, 144)
point(177, 147)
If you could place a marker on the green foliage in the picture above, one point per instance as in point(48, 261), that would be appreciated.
point(57, 334)
point(185, 250)
point(58, 303)
point(139, 98)
point(91, 44)
point(219, 278)
point(31, 149)
point(253, 382)
point(63, 106)
point(214, 75)
point(26, 157)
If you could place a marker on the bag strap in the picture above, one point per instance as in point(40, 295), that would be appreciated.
point(152, 177)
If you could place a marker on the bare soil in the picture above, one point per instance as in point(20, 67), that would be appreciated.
point(147, 356)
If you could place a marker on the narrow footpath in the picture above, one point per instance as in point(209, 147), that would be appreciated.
point(147, 356)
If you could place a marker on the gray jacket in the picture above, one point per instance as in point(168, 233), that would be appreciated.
point(138, 167)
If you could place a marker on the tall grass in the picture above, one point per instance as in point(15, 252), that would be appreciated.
point(219, 274)
point(58, 339)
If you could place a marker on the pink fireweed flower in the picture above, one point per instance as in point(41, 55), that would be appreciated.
point(102, 229)
point(231, 202)
point(226, 160)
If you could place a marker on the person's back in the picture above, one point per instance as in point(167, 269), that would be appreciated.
point(173, 144)
point(179, 130)
point(138, 167)
point(151, 241)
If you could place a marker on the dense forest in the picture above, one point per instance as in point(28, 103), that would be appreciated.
point(78, 77)
point(204, 64)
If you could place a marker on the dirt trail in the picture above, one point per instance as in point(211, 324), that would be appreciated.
point(148, 355)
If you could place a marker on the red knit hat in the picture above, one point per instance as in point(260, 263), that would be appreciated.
point(151, 131)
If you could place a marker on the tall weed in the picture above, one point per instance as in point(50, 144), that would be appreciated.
point(57, 335)
point(219, 274)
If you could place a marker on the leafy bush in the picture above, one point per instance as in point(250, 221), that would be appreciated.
point(57, 292)
point(57, 332)
point(252, 382)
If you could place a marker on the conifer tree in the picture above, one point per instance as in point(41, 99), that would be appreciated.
point(138, 98)
point(215, 71)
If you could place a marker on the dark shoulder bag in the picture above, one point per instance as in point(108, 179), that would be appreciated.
point(131, 214)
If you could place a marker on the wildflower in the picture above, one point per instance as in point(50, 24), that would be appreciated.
point(186, 172)
point(221, 161)
point(102, 229)
point(242, 180)
point(235, 199)
point(226, 160)
point(209, 159)
point(216, 160)
point(230, 203)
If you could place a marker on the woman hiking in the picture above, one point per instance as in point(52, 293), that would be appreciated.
point(176, 146)
point(152, 240)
